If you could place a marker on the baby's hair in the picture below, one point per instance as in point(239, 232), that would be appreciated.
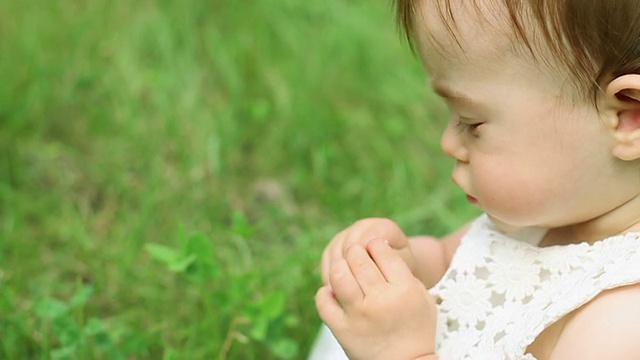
point(597, 40)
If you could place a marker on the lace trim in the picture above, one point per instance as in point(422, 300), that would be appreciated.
point(495, 279)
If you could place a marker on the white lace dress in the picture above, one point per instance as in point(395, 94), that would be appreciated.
point(501, 291)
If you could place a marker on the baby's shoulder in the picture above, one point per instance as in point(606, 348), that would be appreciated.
point(607, 327)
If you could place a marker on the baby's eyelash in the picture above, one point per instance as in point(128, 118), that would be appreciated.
point(468, 127)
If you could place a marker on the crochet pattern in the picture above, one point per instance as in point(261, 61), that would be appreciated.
point(501, 291)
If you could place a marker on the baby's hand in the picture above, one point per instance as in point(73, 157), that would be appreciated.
point(375, 307)
point(362, 232)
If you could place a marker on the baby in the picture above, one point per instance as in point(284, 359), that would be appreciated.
point(544, 97)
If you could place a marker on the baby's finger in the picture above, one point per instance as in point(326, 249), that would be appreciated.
point(367, 229)
point(328, 307)
point(391, 265)
point(364, 270)
point(332, 253)
point(343, 283)
point(337, 248)
point(351, 237)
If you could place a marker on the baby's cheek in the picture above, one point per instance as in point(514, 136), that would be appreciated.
point(508, 198)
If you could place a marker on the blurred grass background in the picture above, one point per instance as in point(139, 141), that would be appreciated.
point(170, 171)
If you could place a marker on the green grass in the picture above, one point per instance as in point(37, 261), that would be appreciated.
point(170, 171)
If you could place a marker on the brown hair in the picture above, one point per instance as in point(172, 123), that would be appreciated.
point(596, 40)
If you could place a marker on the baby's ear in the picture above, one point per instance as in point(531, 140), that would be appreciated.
point(622, 97)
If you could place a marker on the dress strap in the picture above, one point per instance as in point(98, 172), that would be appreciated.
point(587, 271)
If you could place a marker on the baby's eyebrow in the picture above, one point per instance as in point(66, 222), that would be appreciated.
point(451, 94)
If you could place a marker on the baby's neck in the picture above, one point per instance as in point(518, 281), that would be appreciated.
point(623, 219)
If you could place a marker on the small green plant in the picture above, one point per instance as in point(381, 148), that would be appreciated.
point(250, 313)
point(269, 320)
point(193, 257)
point(67, 334)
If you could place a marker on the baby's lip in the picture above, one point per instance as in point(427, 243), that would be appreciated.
point(472, 200)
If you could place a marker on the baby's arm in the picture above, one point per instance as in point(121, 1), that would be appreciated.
point(432, 256)
point(605, 328)
point(376, 308)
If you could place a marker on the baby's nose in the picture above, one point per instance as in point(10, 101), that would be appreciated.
point(452, 143)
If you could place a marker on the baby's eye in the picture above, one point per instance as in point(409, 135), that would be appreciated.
point(468, 125)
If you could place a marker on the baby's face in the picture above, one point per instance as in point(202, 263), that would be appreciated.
point(525, 152)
